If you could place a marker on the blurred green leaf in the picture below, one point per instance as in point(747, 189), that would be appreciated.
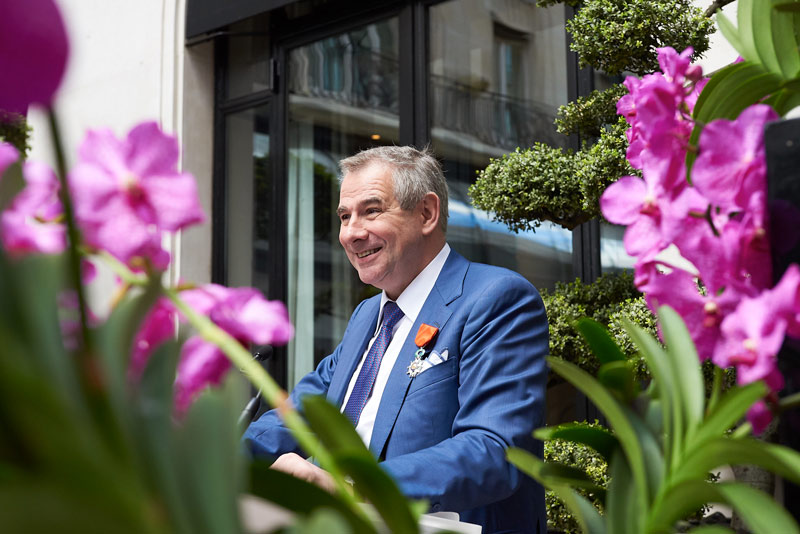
point(209, 460)
point(730, 409)
point(685, 368)
point(785, 41)
point(680, 501)
point(758, 510)
point(322, 520)
point(334, 429)
point(299, 496)
point(728, 451)
point(625, 506)
point(744, 19)
point(599, 439)
point(619, 378)
point(730, 32)
point(599, 340)
point(617, 418)
point(711, 529)
point(763, 28)
point(378, 488)
point(552, 474)
point(585, 513)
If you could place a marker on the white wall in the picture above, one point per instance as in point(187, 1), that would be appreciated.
point(721, 52)
point(126, 65)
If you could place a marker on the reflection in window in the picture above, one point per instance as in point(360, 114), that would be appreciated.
point(342, 99)
point(483, 105)
point(249, 198)
point(613, 257)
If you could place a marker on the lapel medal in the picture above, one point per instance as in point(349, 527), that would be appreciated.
point(424, 336)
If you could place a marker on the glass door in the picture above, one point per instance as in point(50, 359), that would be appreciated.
point(342, 98)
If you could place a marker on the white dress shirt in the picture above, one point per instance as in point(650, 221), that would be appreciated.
point(410, 303)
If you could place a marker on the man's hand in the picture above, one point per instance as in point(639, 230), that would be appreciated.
point(301, 468)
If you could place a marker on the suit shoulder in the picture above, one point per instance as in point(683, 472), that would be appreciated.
point(481, 274)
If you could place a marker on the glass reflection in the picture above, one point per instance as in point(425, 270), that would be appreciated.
point(497, 78)
point(249, 198)
point(342, 98)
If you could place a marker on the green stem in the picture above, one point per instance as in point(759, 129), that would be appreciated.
point(122, 270)
point(73, 237)
point(742, 431)
point(271, 391)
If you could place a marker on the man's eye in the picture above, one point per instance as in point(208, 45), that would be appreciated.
point(372, 211)
point(343, 217)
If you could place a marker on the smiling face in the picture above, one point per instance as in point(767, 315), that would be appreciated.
point(387, 245)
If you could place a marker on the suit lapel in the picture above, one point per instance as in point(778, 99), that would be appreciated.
point(353, 346)
point(435, 312)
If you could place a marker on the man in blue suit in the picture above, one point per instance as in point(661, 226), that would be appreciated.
point(441, 372)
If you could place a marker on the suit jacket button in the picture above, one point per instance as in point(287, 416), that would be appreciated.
point(436, 507)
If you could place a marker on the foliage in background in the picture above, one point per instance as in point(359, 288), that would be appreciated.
point(545, 183)
point(615, 36)
point(610, 300)
point(14, 129)
point(583, 457)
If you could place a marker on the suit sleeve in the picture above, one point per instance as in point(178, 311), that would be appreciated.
point(501, 394)
point(268, 437)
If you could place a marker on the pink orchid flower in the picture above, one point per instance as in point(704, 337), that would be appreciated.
point(128, 192)
point(241, 312)
point(33, 221)
point(731, 164)
point(158, 326)
point(35, 49)
point(8, 155)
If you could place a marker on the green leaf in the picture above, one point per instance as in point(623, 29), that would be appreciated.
point(619, 378)
point(728, 411)
point(625, 506)
point(209, 459)
point(711, 529)
point(730, 32)
point(11, 183)
point(785, 41)
point(599, 340)
point(667, 390)
point(744, 18)
point(322, 520)
point(334, 429)
point(758, 510)
point(617, 417)
point(685, 364)
point(728, 451)
point(582, 510)
point(762, 29)
point(679, 502)
point(552, 474)
point(337, 434)
point(599, 439)
point(299, 496)
point(378, 488)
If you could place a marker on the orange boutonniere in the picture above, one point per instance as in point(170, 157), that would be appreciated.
point(425, 334)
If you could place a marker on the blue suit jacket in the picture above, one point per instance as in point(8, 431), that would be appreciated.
point(443, 434)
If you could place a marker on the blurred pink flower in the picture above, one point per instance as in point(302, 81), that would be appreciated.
point(128, 192)
point(731, 165)
point(242, 312)
point(35, 49)
point(760, 416)
point(157, 327)
point(33, 221)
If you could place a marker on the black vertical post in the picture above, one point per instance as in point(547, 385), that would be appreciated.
point(782, 142)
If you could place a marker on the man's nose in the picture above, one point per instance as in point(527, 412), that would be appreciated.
point(352, 231)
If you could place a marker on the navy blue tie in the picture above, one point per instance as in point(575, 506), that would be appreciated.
point(366, 377)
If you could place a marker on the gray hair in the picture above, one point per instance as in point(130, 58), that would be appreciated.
point(415, 174)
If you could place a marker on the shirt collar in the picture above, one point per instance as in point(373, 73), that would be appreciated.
point(414, 296)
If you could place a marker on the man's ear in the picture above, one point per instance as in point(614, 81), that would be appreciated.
point(429, 211)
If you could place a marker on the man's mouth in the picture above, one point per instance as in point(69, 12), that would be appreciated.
point(367, 253)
